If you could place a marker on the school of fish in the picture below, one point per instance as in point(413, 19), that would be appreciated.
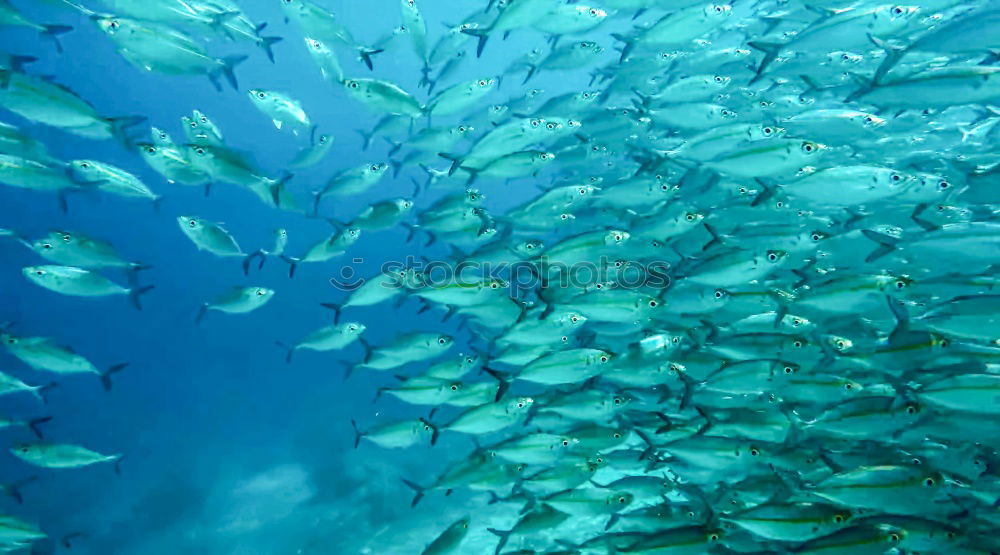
point(787, 339)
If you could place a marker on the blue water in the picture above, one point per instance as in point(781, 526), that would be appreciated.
point(226, 448)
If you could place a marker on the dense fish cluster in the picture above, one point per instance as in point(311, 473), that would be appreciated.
point(744, 301)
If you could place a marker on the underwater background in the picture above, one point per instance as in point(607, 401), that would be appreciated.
point(229, 449)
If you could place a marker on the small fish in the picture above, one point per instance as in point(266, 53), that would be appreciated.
point(239, 300)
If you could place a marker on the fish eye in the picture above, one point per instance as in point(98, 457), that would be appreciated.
point(772, 256)
point(900, 284)
point(593, 11)
point(85, 166)
point(951, 535)
point(944, 185)
point(727, 113)
point(808, 147)
point(535, 123)
point(797, 344)
point(46, 245)
point(767, 130)
point(718, 293)
point(204, 119)
point(912, 409)
point(442, 340)
point(754, 452)
point(815, 236)
point(604, 358)
point(743, 190)
point(574, 319)
point(260, 292)
point(869, 119)
point(261, 95)
point(674, 339)
point(150, 149)
point(689, 217)
point(454, 387)
point(565, 443)
point(482, 82)
point(550, 126)
point(779, 204)
point(897, 10)
point(719, 79)
point(563, 217)
point(622, 499)
point(789, 369)
point(618, 237)
point(896, 178)
point(39, 272)
point(840, 344)
point(945, 343)
point(838, 518)
point(192, 223)
point(718, 9)
point(848, 386)
point(114, 24)
point(193, 124)
point(713, 537)
point(199, 151)
point(353, 84)
point(461, 129)
point(664, 187)
point(520, 405)
point(564, 339)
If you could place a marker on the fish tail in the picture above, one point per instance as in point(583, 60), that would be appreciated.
point(367, 137)
point(135, 295)
point(368, 349)
point(456, 162)
point(18, 62)
point(504, 535)
point(14, 490)
point(532, 68)
point(38, 392)
point(267, 43)
point(886, 244)
point(503, 381)
point(336, 311)
point(366, 55)
point(435, 431)
point(229, 64)
point(106, 375)
point(770, 50)
point(358, 434)
point(396, 167)
point(416, 488)
point(395, 146)
point(53, 32)
point(34, 424)
point(483, 36)
point(289, 351)
point(201, 313)
point(250, 258)
point(121, 125)
point(893, 54)
point(293, 264)
point(628, 45)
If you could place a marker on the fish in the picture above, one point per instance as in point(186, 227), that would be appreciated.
point(69, 280)
point(61, 455)
point(156, 47)
point(238, 300)
point(282, 109)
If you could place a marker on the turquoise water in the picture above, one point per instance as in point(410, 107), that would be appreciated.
point(728, 280)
